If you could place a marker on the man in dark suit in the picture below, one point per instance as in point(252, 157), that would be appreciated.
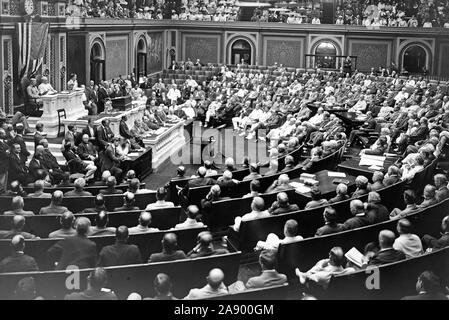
point(37, 163)
point(99, 205)
point(96, 281)
point(38, 135)
point(55, 204)
point(111, 182)
point(376, 209)
point(104, 135)
point(204, 247)
point(17, 205)
point(360, 217)
point(18, 138)
point(387, 253)
point(282, 205)
point(269, 277)
point(90, 130)
point(111, 162)
point(443, 241)
point(428, 287)
point(18, 223)
point(331, 223)
point(4, 161)
point(169, 252)
point(103, 94)
point(120, 253)
point(201, 180)
point(127, 134)
point(75, 251)
point(128, 203)
point(341, 194)
point(86, 149)
point(18, 261)
point(17, 168)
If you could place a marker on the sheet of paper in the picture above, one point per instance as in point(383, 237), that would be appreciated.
point(376, 168)
point(335, 174)
point(133, 154)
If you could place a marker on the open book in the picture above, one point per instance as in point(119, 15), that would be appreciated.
point(356, 257)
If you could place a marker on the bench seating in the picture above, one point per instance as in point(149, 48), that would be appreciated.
point(304, 254)
point(308, 220)
point(92, 189)
point(148, 243)
point(133, 278)
point(271, 293)
point(396, 280)
point(41, 226)
point(78, 204)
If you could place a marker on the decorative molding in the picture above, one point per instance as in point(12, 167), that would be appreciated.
point(206, 47)
point(371, 54)
point(251, 38)
point(286, 50)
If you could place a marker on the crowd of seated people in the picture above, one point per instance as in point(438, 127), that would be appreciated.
point(295, 127)
point(156, 10)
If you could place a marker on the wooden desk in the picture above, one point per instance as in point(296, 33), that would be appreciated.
point(352, 167)
point(141, 164)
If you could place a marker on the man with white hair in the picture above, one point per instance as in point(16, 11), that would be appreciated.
point(342, 194)
point(214, 286)
point(174, 94)
point(45, 87)
point(78, 190)
point(281, 184)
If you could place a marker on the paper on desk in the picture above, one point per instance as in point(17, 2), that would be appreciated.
point(133, 154)
point(335, 174)
point(368, 160)
point(375, 168)
point(300, 187)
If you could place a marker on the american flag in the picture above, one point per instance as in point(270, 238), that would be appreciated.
point(32, 41)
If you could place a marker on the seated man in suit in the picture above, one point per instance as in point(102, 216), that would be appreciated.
point(341, 194)
point(428, 287)
point(324, 269)
point(226, 183)
point(78, 190)
point(407, 242)
point(331, 224)
point(387, 253)
point(411, 207)
point(257, 212)
point(16, 189)
point(17, 225)
point(214, 287)
point(111, 182)
point(55, 204)
point(360, 217)
point(282, 205)
point(111, 161)
point(120, 253)
point(66, 221)
point(169, 252)
point(17, 169)
point(205, 247)
point(433, 243)
point(75, 251)
point(269, 277)
point(254, 188)
point(393, 176)
point(191, 222)
point(143, 226)
point(39, 190)
point(317, 199)
point(77, 165)
point(429, 195)
point(96, 281)
point(361, 182)
point(290, 235)
point(160, 203)
point(99, 203)
point(375, 208)
point(162, 288)
point(86, 149)
point(18, 261)
point(17, 205)
point(128, 202)
point(281, 184)
point(37, 163)
point(51, 164)
point(440, 182)
point(101, 229)
point(201, 179)
point(377, 184)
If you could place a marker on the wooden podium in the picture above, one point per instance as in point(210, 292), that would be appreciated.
point(71, 102)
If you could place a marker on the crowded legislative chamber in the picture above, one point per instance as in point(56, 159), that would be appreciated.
point(224, 150)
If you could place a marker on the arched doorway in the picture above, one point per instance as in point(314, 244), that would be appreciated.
point(97, 63)
point(141, 58)
point(241, 49)
point(326, 55)
point(415, 59)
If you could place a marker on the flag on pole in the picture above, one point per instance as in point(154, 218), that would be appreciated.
point(32, 40)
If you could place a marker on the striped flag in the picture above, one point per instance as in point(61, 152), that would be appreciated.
point(32, 40)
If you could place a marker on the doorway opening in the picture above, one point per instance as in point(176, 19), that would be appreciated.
point(241, 50)
point(97, 64)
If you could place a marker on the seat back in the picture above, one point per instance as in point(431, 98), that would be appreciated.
point(271, 293)
point(124, 280)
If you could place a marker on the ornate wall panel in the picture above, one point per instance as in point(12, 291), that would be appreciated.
point(155, 53)
point(288, 51)
point(370, 53)
point(203, 47)
point(117, 56)
point(444, 61)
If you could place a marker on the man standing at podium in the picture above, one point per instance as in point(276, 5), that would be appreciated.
point(45, 87)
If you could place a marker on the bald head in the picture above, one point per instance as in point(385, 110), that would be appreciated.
point(169, 242)
point(227, 175)
point(18, 243)
point(57, 197)
point(283, 179)
point(282, 198)
point(201, 171)
point(18, 222)
point(17, 203)
point(205, 239)
point(215, 278)
point(122, 234)
point(386, 239)
point(145, 219)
